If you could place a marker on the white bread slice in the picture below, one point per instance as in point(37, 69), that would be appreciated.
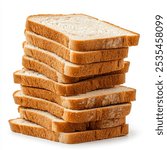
point(76, 57)
point(35, 79)
point(70, 69)
point(93, 99)
point(81, 32)
point(56, 124)
point(73, 116)
point(35, 65)
point(28, 128)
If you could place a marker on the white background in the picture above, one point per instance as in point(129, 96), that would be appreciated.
point(137, 16)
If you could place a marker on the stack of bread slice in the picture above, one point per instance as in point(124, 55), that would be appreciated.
point(71, 88)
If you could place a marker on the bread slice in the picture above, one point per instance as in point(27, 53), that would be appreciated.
point(28, 128)
point(81, 32)
point(93, 99)
point(35, 79)
point(76, 57)
point(55, 124)
point(70, 69)
point(69, 115)
point(35, 65)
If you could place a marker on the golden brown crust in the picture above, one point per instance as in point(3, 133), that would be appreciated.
point(75, 56)
point(73, 70)
point(69, 89)
point(46, 32)
point(35, 65)
point(104, 44)
point(74, 116)
point(40, 67)
point(68, 138)
point(99, 56)
point(82, 103)
point(33, 131)
point(62, 126)
point(82, 45)
point(93, 135)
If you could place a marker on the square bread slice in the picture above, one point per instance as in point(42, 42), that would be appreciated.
point(35, 79)
point(56, 124)
point(93, 99)
point(35, 65)
point(76, 57)
point(81, 32)
point(28, 128)
point(69, 115)
point(70, 69)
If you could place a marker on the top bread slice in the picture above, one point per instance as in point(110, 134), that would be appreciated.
point(76, 57)
point(81, 32)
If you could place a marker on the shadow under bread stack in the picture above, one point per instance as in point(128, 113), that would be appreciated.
point(71, 88)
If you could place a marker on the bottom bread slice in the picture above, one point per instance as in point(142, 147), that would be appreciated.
point(55, 124)
point(32, 129)
point(74, 116)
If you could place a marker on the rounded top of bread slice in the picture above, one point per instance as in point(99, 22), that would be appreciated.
point(80, 26)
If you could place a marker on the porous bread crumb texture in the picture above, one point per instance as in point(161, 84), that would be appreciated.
point(24, 122)
point(27, 72)
point(23, 110)
point(81, 27)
